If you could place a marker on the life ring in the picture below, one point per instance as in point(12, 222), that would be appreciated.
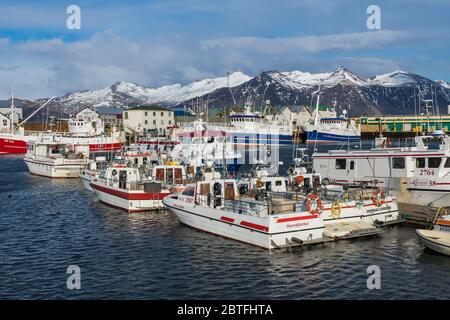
point(378, 198)
point(336, 208)
point(313, 204)
point(299, 180)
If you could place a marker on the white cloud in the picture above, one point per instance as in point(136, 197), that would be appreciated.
point(39, 68)
point(309, 44)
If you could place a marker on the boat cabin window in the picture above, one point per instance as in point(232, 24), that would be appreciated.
point(352, 165)
point(447, 163)
point(434, 162)
point(398, 163)
point(420, 162)
point(189, 191)
point(278, 183)
point(341, 164)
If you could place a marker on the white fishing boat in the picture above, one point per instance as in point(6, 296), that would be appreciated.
point(384, 165)
point(126, 188)
point(437, 239)
point(92, 170)
point(49, 157)
point(250, 213)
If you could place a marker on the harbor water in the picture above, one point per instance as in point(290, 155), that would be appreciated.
point(47, 225)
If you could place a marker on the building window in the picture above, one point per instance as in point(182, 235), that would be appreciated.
point(146, 113)
point(398, 163)
point(170, 122)
point(154, 121)
point(162, 114)
point(154, 114)
point(126, 115)
point(145, 122)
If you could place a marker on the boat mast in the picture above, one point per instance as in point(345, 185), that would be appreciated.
point(316, 111)
point(12, 111)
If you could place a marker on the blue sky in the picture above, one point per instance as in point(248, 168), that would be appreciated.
point(155, 43)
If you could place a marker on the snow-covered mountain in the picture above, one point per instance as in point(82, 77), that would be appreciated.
point(127, 93)
point(390, 93)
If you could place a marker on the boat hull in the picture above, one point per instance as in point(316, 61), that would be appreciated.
point(438, 241)
point(327, 137)
point(130, 202)
point(54, 170)
point(431, 197)
point(86, 180)
point(247, 229)
point(12, 146)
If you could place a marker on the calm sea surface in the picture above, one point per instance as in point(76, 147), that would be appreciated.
point(47, 225)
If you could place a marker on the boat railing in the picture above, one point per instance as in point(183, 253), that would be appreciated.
point(247, 207)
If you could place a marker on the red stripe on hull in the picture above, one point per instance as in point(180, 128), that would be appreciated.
point(314, 216)
point(254, 226)
point(226, 219)
point(131, 196)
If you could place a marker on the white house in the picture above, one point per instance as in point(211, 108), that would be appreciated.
point(145, 119)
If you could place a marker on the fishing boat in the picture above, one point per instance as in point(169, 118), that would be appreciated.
point(331, 130)
point(437, 239)
point(49, 157)
point(251, 128)
point(83, 130)
point(383, 165)
point(126, 188)
point(93, 169)
point(252, 213)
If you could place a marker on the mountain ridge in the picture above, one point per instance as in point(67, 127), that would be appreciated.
point(389, 93)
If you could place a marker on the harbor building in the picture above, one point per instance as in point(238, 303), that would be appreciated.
point(402, 125)
point(148, 119)
point(111, 116)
